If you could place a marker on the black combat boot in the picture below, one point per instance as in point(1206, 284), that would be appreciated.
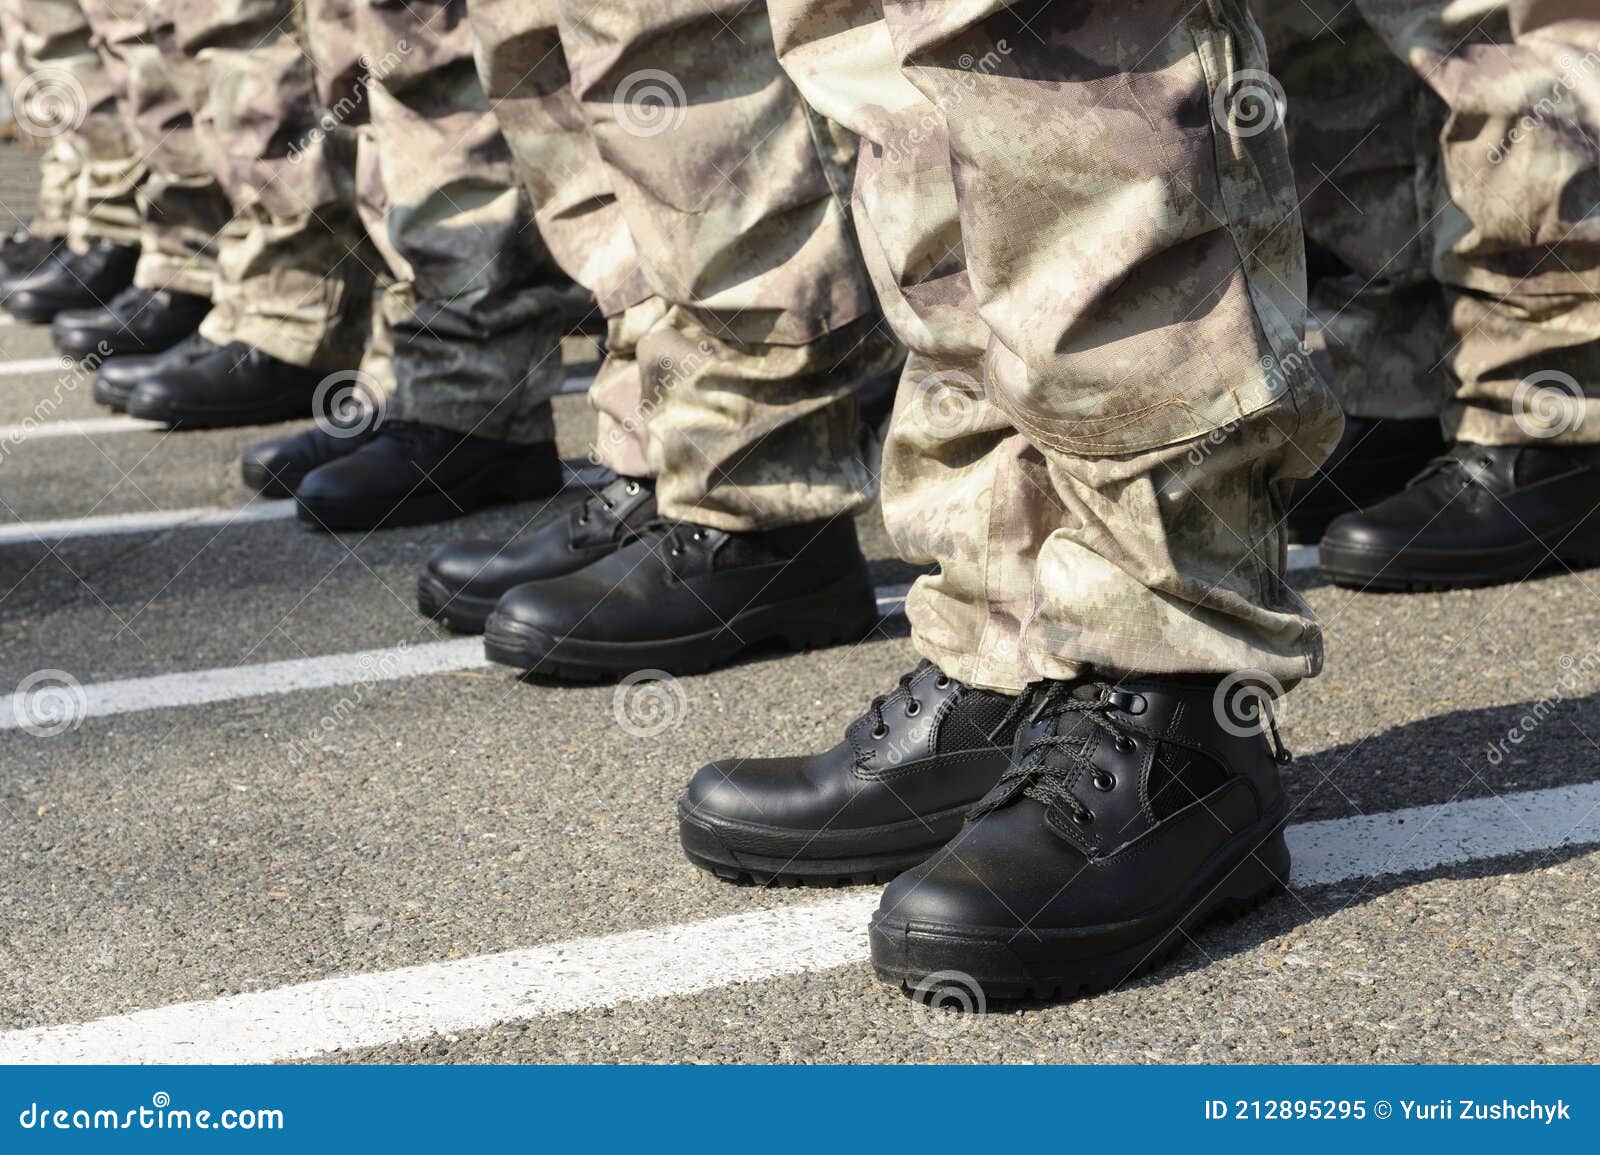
point(134, 321)
point(232, 384)
point(882, 800)
point(411, 474)
point(1375, 458)
point(116, 380)
point(683, 598)
point(21, 252)
point(276, 468)
point(462, 581)
point(70, 280)
point(1478, 515)
point(1132, 813)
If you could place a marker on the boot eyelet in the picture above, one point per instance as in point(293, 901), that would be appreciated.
point(942, 682)
point(584, 520)
point(913, 708)
point(1104, 781)
point(880, 732)
point(1083, 817)
point(1125, 744)
point(631, 488)
point(676, 551)
point(696, 536)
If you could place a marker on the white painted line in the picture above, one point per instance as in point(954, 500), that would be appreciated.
point(154, 521)
point(231, 683)
point(1427, 837)
point(227, 684)
point(368, 1010)
point(37, 365)
point(33, 430)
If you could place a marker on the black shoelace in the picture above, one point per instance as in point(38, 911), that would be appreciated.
point(1033, 774)
point(900, 693)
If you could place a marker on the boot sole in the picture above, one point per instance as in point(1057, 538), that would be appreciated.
point(842, 612)
point(181, 417)
point(1368, 569)
point(113, 399)
point(711, 845)
point(497, 485)
point(461, 613)
point(1005, 964)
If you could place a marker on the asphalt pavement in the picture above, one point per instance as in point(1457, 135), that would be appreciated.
point(172, 851)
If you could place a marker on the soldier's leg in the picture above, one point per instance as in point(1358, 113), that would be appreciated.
point(1099, 271)
point(478, 344)
point(1514, 244)
point(181, 207)
point(293, 288)
point(27, 243)
point(1363, 135)
point(524, 73)
point(67, 95)
point(732, 190)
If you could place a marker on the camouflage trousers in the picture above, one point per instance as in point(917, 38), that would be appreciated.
point(182, 209)
point(1096, 261)
point(66, 94)
point(1449, 160)
point(524, 72)
point(295, 271)
point(58, 161)
point(734, 192)
point(480, 306)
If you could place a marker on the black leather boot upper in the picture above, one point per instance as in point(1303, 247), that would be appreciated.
point(1477, 514)
point(1374, 459)
point(276, 468)
point(682, 598)
point(70, 280)
point(135, 321)
point(232, 384)
point(883, 799)
point(462, 581)
point(116, 380)
point(22, 251)
point(1126, 813)
point(410, 474)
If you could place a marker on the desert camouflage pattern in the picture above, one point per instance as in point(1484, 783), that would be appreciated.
point(517, 46)
point(480, 306)
point(182, 209)
point(294, 278)
point(1447, 157)
point(734, 192)
point(58, 161)
point(1089, 239)
point(57, 60)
